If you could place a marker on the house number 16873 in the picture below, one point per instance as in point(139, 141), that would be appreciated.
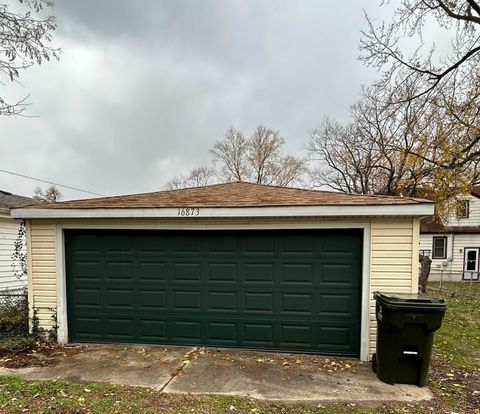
point(188, 211)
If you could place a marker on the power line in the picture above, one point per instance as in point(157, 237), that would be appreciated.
point(50, 182)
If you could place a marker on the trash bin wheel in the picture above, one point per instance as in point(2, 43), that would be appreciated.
point(374, 363)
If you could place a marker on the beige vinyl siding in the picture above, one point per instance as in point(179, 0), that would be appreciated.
point(393, 258)
point(41, 262)
point(393, 263)
point(8, 234)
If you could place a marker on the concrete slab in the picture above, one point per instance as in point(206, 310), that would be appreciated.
point(288, 378)
point(131, 365)
point(263, 375)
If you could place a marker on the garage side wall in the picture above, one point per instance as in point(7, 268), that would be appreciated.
point(41, 263)
point(393, 258)
point(394, 261)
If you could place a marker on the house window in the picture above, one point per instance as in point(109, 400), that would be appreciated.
point(439, 248)
point(463, 209)
point(425, 252)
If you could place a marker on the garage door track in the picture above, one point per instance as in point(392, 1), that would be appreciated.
point(262, 375)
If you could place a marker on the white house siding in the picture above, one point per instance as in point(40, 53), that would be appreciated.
point(393, 257)
point(8, 234)
point(451, 268)
point(474, 214)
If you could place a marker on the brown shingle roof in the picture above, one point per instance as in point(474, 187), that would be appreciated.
point(235, 194)
point(9, 200)
point(428, 225)
point(475, 191)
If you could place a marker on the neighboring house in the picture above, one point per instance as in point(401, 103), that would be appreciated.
point(455, 248)
point(231, 265)
point(8, 234)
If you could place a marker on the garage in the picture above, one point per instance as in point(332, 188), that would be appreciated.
point(229, 265)
point(296, 290)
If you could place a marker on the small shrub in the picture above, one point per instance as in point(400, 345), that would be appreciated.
point(18, 333)
point(13, 314)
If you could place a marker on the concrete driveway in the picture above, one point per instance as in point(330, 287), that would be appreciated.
point(262, 375)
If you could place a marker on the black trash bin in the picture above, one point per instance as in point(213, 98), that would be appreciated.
point(405, 327)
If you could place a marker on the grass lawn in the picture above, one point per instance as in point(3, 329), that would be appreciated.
point(454, 379)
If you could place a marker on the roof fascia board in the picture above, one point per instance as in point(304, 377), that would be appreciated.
point(421, 209)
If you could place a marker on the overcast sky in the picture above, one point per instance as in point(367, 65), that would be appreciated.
point(144, 88)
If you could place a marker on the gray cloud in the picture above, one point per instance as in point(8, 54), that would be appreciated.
point(144, 88)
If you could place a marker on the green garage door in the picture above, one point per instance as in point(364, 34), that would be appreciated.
point(287, 290)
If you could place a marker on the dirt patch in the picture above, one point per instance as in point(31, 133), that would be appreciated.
point(40, 357)
point(462, 385)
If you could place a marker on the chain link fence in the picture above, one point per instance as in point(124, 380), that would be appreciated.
point(13, 312)
point(460, 288)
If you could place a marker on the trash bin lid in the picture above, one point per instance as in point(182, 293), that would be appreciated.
point(410, 300)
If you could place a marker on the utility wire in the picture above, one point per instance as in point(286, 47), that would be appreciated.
point(50, 182)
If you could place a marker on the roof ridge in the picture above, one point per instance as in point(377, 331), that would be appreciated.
point(246, 183)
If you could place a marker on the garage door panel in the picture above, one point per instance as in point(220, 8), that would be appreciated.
point(87, 269)
point(120, 327)
point(186, 300)
point(339, 274)
point(258, 333)
point(222, 245)
point(185, 246)
point(338, 305)
point(222, 301)
point(259, 273)
point(297, 273)
point(296, 303)
point(152, 300)
point(337, 243)
point(269, 289)
point(187, 331)
point(259, 302)
point(221, 333)
point(260, 245)
point(186, 271)
point(298, 245)
point(222, 272)
point(88, 297)
point(335, 335)
point(120, 299)
point(152, 330)
point(151, 270)
point(89, 327)
point(115, 269)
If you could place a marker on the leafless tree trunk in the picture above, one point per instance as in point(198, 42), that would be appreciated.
point(425, 264)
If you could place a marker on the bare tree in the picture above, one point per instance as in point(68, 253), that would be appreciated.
point(258, 159)
point(232, 155)
point(24, 38)
point(383, 46)
point(197, 177)
point(51, 195)
point(422, 147)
